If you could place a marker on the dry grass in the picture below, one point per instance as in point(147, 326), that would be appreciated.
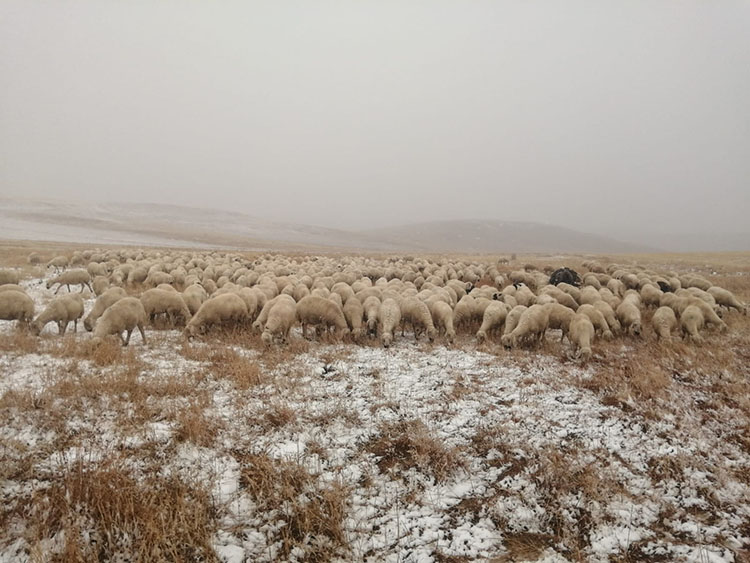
point(408, 444)
point(226, 363)
point(307, 514)
point(105, 513)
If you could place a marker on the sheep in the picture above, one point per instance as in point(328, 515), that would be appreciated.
point(280, 320)
point(159, 301)
point(417, 313)
point(313, 310)
point(442, 318)
point(560, 296)
point(220, 309)
point(123, 316)
point(71, 277)
point(691, 321)
point(493, 319)
point(155, 278)
point(104, 301)
point(651, 294)
point(531, 326)
point(725, 298)
point(597, 319)
point(709, 315)
point(630, 317)
point(389, 317)
point(589, 295)
point(260, 321)
point(62, 311)
point(664, 323)
point(16, 306)
point(9, 277)
point(94, 269)
point(34, 259)
point(581, 334)
point(12, 287)
point(194, 295)
point(58, 263)
point(354, 313)
point(100, 285)
point(371, 306)
point(609, 315)
point(559, 317)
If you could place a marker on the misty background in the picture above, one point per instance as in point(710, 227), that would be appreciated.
point(629, 119)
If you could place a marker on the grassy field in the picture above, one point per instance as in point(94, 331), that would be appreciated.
point(222, 449)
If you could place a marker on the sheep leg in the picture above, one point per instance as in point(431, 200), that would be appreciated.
point(61, 326)
point(143, 334)
point(127, 338)
point(75, 325)
point(58, 288)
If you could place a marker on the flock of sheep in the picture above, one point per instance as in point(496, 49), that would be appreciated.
point(361, 298)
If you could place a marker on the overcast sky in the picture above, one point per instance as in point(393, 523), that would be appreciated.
point(603, 116)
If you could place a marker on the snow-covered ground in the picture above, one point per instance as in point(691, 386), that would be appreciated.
point(438, 453)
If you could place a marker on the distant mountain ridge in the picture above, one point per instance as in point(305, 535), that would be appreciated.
point(174, 225)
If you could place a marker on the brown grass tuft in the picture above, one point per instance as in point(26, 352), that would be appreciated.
point(306, 514)
point(148, 519)
point(408, 444)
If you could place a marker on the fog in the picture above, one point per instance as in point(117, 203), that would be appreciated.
point(608, 117)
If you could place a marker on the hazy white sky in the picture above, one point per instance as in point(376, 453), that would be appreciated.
point(604, 116)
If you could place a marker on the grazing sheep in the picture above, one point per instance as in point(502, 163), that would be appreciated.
point(159, 301)
point(354, 313)
point(559, 317)
point(442, 318)
point(281, 318)
point(630, 317)
point(105, 300)
point(691, 321)
point(260, 321)
point(415, 312)
point(137, 275)
point(12, 287)
point(371, 305)
point(9, 277)
point(493, 320)
point(220, 309)
point(71, 277)
point(123, 316)
point(651, 295)
point(709, 315)
point(389, 317)
point(318, 311)
point(581, 334)
point(609, 315)
point(16, 306)
point(664, 323)
point(155, 278)
point(725, 298)
point(560, 296)
point(597, 319)
point(58, 263)
point(100, 285)
point(194, 295)
point(63, 310)
point(531, 326)
point(34, 259)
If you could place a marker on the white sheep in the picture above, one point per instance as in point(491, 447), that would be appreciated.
point(493, 319)
point(691, 321)
point(559, 317)
point(442, 318)
point(354, 313)
point(71, 277)
point(531, 326)
point(100, 285)
point(105, 300)
point(389, 317)
point(62, 310)
point(664, 323)
point(221, 309)
point(319, 311)
point(260, 321)
point(725, 298)
point(123, 316)
point(9, 277)
point(630, 317)
point(651, 295)
point(16, 306)
point(581, 335)
point(58, 263)
point(371, 305)
point(597, 319)
point(281, 318)
point(12, 287)
point(415, 312)
point(163, 302)
point(194, 295)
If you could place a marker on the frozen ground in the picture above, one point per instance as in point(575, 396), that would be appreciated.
point(435, 454)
